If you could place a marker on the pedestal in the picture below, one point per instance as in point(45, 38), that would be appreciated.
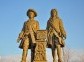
point(40, 49)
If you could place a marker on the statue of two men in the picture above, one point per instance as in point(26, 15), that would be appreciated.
point(56, 35)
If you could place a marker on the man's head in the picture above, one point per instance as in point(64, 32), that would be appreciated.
point(54, 12)
point(31, 13)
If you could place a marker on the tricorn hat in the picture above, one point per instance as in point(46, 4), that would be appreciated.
point(31, 10)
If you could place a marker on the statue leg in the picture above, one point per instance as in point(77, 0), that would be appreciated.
point(54, 54)
point(25, 49)
point(59, 53)
point(32, 53)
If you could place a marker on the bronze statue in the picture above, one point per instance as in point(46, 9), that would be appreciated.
point(28, 34)
point(56, 35)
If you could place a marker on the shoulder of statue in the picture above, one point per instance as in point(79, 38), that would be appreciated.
point(50, 19)
point(59, 19)
point(36, 21)
point(60, 22)
point(26, 22)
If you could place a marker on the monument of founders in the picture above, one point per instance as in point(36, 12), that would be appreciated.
point(31, 37)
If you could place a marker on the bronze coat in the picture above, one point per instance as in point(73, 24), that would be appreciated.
point(25, 31)
point(58, 26)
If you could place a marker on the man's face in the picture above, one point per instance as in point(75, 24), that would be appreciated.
point(54, 13)
point(31, 14)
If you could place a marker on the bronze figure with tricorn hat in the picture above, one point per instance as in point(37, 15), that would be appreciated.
point(31, 10)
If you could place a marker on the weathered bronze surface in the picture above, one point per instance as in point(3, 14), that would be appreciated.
point(28, 34)
point(40, 50)
point(33, 38)
point(56, 35)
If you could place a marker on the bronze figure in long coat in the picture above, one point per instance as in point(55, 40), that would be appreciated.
point(56, 35)
point(28, 34)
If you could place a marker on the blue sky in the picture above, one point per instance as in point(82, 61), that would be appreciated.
point(13, 15)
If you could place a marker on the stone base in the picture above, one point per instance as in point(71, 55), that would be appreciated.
point(40, 49)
